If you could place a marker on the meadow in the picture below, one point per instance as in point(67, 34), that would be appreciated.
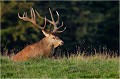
point(96, 66)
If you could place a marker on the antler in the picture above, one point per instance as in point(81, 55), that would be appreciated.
point(32, 19)
point(55, 30)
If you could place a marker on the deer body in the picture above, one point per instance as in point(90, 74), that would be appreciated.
point(43, 47)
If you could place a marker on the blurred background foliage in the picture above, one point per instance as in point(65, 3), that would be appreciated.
point(90, 24)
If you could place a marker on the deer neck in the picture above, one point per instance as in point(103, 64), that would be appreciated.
point(48, 41)
point(45, 42)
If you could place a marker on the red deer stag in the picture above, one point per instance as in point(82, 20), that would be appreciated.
point(45, 46)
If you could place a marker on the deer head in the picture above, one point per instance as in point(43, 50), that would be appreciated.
point(50, 35)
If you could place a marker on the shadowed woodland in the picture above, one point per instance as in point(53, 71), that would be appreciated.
point(90, 25)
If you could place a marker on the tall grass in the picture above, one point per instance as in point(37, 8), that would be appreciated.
point(80, 66)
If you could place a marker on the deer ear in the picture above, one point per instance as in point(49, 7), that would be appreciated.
point(46, 33)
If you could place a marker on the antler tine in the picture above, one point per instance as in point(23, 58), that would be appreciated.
point(19, 16)
point(61, 25)
point(45, 23)
point(58, 18)
point(33, 14)
point(52, 16)
point(24, 14)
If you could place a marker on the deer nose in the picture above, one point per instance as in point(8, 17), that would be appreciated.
point(62, 42)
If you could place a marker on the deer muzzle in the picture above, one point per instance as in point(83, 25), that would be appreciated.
point(62, 43)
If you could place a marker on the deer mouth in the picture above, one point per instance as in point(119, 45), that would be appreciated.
point(62, 43)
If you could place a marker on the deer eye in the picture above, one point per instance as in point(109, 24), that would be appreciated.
point(53, 37)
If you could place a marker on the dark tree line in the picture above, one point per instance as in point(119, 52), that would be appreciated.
point(90, 24)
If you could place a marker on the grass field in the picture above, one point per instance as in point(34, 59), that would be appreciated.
point(97, 66)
